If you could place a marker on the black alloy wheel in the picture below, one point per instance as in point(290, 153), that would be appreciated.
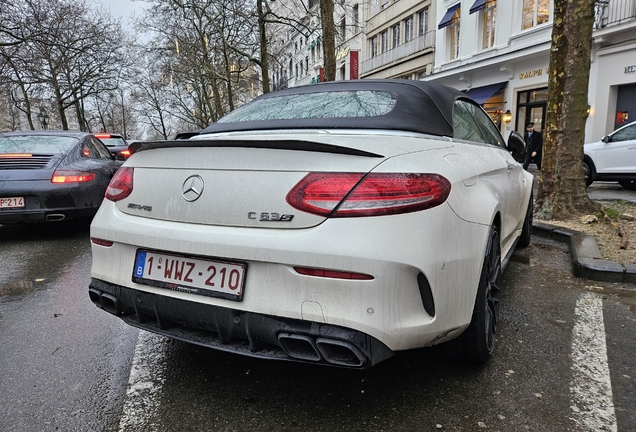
point(628, 184)
point(478, 341)
point(587, 174)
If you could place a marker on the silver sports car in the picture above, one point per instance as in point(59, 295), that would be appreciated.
point(336, 223)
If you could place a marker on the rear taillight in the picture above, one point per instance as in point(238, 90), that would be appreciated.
point(61, 176)
point(376, 194)
point(125, 153)
point(121, 185)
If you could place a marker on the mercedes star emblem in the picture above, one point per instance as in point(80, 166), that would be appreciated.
point(192, 188)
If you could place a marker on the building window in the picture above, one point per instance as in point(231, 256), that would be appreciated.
point(374, 46)
point(396, 35)
point(535, 12)
point(301, 70)
point(384, 41)
point(453, 29)
point(296, 45)
point(307, 64)
point(343, 28)
point(356, 18)
point(423, 22)
point(313, 54)
point(310, 4)
point(490, 12)
point(408, 29)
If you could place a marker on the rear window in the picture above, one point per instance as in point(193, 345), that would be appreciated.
point(113, 142)
point(36, 144)
point(344, 104)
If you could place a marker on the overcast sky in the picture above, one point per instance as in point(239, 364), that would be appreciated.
point(124, 9)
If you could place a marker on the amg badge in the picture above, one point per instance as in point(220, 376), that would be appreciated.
point(271, 217)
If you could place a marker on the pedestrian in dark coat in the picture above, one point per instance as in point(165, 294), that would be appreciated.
point(534, 143)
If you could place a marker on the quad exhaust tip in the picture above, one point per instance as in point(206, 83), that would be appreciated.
point(105, 301)
point(334, 351)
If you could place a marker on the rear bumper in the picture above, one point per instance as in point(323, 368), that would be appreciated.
point(237, 331)
point(41, 215)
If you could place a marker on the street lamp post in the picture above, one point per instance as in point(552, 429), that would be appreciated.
point(43, 118)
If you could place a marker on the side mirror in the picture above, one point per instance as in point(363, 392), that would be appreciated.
point(606, 139)
point(516, 145)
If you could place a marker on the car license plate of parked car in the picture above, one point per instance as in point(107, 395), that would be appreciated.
point(214, 278)
point(12, 202)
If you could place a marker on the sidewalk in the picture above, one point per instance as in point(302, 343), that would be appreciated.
point(587, 261)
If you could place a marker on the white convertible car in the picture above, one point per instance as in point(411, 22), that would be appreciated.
point(338, 223)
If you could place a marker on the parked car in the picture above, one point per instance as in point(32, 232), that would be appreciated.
point(336, 224)
point(613, 158)
point(52, 175)
point(116, 144)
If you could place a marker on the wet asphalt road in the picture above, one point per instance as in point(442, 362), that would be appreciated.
point(68, 366)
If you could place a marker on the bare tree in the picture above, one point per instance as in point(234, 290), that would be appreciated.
point(562, 187)
point(328, 39)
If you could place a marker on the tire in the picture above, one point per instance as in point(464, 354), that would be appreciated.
point(478, 340)
point(526, 231)
point(628, 184)
point(587, 174)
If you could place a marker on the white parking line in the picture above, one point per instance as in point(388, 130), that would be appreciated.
point(592, 402)
point(145, 383)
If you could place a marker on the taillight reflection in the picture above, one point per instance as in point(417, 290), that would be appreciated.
point(376, 194)
point(333, 274)
point(121, 185)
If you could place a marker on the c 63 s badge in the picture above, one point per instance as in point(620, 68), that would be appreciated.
point(270, 217)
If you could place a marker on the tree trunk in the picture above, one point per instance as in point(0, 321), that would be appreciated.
point(263, 41)
point(328, 39)
point(562, 186)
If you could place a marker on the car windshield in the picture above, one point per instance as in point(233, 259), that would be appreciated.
point(343, 104)
point(38, 144)
point(113, 142)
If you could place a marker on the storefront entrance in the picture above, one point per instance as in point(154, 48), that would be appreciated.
point(531, 108)
point(625, 105)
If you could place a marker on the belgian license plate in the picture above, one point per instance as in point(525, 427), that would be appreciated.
point(202, 276)
point(12, 202)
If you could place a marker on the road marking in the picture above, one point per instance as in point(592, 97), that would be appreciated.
point(145, 384)
point(592, 402)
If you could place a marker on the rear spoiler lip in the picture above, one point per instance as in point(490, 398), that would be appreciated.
point(297, 145)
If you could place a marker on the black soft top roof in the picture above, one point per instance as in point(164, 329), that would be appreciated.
point(421, 106)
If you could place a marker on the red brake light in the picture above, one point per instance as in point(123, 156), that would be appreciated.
point(121, 185)
point(102, 135)
point(125, 153)
point(61, 176)
point(377, 194)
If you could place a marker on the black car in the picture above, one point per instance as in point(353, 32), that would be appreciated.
point(116, 144)
point(52, 175)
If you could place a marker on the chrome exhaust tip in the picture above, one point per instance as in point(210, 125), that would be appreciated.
point(299, 346)
point(340, 352)
point(55, 217)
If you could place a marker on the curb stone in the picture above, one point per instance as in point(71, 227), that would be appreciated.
point(587, 261)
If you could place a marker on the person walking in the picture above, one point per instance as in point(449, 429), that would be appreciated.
point(534, 142)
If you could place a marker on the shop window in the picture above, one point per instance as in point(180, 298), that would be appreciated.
point(535, 12)
point(453, 30)
point(489, 15)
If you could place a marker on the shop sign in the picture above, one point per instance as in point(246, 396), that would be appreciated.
point(342, 53)
point(630, 69)
point(531, 74)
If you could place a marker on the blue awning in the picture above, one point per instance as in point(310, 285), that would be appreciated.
point(482, 94)
point(448, 16)
point(477, 6)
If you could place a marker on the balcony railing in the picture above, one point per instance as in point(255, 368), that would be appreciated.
point(401, 51)
point(613, 12)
